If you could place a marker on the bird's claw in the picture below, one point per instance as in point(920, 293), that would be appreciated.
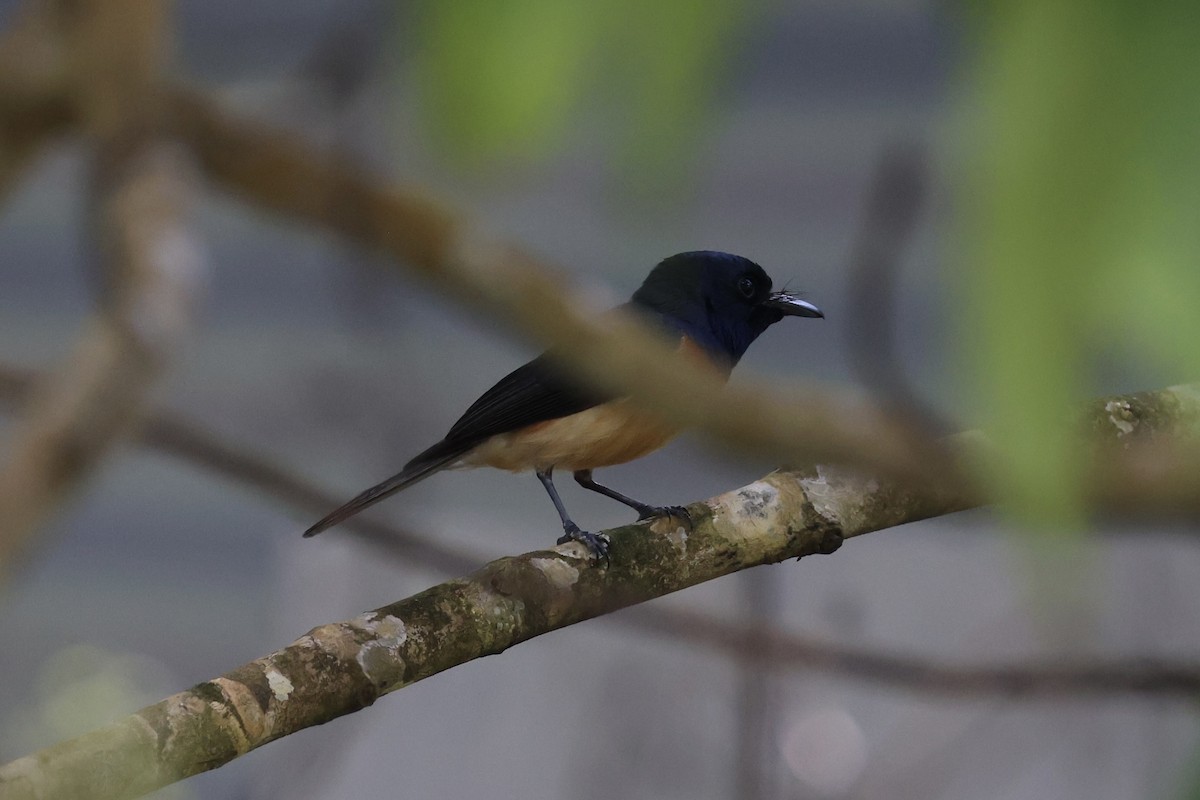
point(657, 512)
point(597, 543)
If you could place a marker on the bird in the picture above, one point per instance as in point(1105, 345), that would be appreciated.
point(714, 304)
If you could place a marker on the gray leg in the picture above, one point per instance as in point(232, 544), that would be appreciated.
point(598, 545)
point(645, 511)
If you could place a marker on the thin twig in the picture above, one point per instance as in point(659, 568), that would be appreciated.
point(889, 217)
point(185, 441)
point(1026, 679)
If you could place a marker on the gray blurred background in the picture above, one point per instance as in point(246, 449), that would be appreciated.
point(162, 575)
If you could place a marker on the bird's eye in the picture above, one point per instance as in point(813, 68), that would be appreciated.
point(746, 287)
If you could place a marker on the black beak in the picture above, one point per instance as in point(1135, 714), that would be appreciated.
point(791, 306)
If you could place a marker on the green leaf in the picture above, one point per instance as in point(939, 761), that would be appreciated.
point(504, 80)
point(1080, 221)
point(499, 77)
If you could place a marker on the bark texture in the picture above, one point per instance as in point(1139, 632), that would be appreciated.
point(341, 667)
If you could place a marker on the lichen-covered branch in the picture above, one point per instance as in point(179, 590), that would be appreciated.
point(777, 648)
point(342, 667)
point(147, 259)
point(339, 668)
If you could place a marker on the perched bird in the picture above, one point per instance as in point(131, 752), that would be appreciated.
point(535, 419)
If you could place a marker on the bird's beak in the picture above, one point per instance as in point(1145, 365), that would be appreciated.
point(791, 306)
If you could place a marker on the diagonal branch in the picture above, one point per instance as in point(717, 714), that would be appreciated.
point(776, 649)
point(343, 667)
point(279, 173)
point(184, 441)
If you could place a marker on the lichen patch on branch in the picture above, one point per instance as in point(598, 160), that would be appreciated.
point(1120, 415)
point(382, 657)
point(557, 571)
point(281, 687)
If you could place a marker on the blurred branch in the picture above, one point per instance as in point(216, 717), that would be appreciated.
point(1028, 679)
point(756, 707)
point(184, 441)
point(116, 51)
point(343, 667)
point(896, 194)
point(33, 105)
point(280, 173)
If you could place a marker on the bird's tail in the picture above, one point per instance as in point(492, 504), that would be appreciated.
point(436, 458)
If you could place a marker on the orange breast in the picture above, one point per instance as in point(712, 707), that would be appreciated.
point(608, 434)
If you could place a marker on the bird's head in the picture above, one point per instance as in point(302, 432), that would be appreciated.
point(722, 301)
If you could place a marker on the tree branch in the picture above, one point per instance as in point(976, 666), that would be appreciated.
point(1026, 679)
point(33, 103)
point(342, 667)
point(785, 514)
point(279, 173)
point(775, 648)
point(894, 200)
point(116, 51)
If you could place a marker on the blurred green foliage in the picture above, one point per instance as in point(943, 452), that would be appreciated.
point(1081, 188)
point(81, 688)
point(504, 81)
point(1080, 210)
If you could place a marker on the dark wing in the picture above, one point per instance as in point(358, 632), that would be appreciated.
point(527, 395)
point(534, 393)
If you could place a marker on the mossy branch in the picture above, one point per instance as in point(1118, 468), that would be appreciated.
point(342, 667)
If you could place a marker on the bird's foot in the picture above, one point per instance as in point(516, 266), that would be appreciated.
point(596, 543)
point(657, 512)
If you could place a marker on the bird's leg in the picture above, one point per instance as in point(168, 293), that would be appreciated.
point(597, 544)
point(645, 511)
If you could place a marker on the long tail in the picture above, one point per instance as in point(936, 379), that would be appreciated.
point(436, 458)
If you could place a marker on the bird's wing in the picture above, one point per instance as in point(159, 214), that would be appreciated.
point(529, 394)
point(535, 392)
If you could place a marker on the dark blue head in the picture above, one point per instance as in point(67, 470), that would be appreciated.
point(722, 301)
